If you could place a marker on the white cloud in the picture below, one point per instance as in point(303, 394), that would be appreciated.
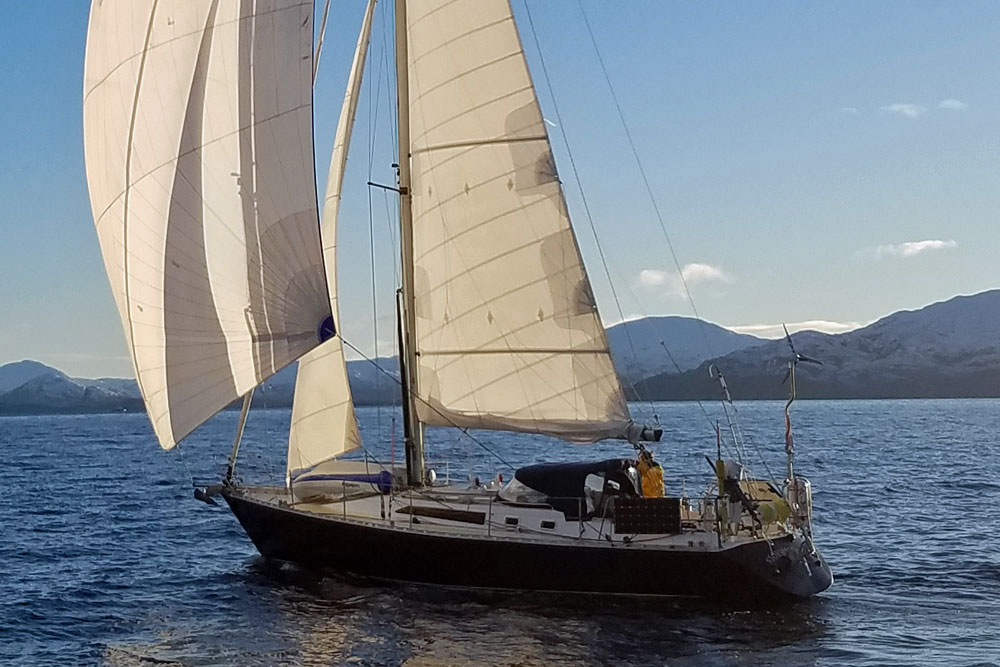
point(953, 104)
point(776, 330)
point(908, 110)
point(698, 273)
point(849, 110)
point(653, 277)
point(672, 284)
point(386, 348)
point(907, 249)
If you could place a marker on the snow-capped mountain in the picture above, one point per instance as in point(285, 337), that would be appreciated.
point(651, 345)
point(946, 349)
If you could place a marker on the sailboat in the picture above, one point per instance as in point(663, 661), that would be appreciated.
point(199, 143)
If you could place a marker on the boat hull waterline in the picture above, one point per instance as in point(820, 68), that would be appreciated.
point(786, 567)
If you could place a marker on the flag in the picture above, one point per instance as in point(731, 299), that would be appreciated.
point(789, 445)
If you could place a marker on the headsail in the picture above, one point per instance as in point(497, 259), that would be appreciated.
point(323, 420)
point(507, 331)
point(199, 156)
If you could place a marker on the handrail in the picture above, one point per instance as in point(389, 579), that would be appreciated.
point(697, 515)
point(705, 514)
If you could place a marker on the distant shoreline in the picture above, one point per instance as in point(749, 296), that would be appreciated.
point(58, 413)
point(946, 350)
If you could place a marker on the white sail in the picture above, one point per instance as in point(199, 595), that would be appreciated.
point(199, 156)
point(507, 331)
point(323, 420)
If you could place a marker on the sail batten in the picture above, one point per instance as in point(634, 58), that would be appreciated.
point(477, 142)
point(507, 331)
point(198, 145)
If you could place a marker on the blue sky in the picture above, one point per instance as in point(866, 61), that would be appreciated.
point(832, 162)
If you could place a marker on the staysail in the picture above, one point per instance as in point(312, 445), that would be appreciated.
point(323, 420)
point(199, 155)
point(507, 331)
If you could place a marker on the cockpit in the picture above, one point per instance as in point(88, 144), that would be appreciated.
point(579, 490)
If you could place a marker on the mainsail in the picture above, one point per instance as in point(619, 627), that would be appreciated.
point(199, 155)
point(323, 420)
point(508, 335)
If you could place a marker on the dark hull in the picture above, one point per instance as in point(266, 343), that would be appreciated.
point(327, 542)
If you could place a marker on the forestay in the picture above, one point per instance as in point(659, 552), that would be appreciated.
point(508, 335)
point(323, 421)
point(199, 156)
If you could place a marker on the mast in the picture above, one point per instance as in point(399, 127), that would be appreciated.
point(413, 431)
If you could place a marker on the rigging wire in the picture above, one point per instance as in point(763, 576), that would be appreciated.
point(393, 242)
point(269, 460)
point(737, 430)
point(187, 468)
point(593, 229)
point(645, 178)
point(464, 430)
point(371, 255)
point(373, 109)
point(319, 42)
point(391, 220)
point(583, 196)
point(390, 80)
point(757, 451)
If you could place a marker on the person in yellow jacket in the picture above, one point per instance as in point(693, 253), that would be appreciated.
point(651, 476)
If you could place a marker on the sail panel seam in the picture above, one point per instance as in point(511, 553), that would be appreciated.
point(478, 142)
point(128, 59)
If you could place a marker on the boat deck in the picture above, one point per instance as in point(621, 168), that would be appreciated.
point(478, 513)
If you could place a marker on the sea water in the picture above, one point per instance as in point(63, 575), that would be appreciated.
point(106, 557)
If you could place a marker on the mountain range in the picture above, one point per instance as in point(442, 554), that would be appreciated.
point(947, 349)
point(30, 387)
